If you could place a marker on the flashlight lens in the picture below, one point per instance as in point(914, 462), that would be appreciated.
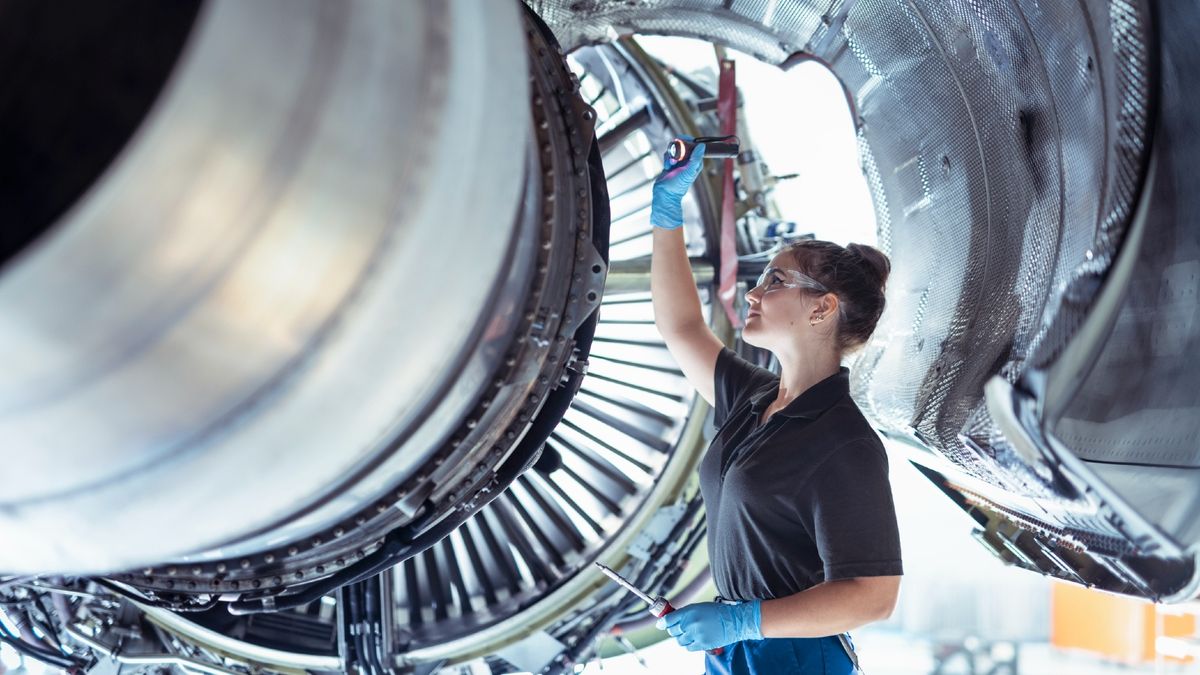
point(677, 150)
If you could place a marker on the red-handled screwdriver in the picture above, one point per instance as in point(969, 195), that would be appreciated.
point(659, 606)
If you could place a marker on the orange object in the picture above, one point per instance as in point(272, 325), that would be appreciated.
point(1114, 626)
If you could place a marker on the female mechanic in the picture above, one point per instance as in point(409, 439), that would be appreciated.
point(802, 536)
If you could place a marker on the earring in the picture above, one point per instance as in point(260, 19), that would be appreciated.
point(818, 320)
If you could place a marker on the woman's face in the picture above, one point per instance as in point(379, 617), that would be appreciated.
point(781, 307)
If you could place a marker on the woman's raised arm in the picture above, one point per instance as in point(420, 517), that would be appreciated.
point(677, 312)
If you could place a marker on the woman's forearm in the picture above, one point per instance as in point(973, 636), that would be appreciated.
point(672, 286)
point(830, 608)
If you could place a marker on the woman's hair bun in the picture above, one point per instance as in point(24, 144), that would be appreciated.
point(857, 274)
point(874, 262)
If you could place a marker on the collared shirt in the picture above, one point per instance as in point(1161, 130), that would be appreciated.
point(797, 501)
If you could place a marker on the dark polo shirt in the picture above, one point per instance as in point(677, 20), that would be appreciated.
point(798, 501)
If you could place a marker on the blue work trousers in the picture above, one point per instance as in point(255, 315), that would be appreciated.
point(783, 656)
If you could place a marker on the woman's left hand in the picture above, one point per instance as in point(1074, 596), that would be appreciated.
point(666, 204)
point(708, 625)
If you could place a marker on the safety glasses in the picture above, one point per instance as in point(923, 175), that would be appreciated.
point(775, 278)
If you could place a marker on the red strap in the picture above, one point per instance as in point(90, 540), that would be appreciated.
point(727, 113)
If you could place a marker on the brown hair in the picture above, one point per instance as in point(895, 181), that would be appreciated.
point(857, 274)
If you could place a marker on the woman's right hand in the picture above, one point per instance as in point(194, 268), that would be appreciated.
point(666, 208)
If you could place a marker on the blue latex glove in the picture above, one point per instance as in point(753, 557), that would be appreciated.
point(666, 209)
point(708, 625)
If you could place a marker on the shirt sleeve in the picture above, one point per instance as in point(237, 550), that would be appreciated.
point(733, 379)
point(853, 517)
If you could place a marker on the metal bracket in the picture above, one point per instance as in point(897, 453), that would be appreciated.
point(587, 286)
point(533, 653)
point(657, 530)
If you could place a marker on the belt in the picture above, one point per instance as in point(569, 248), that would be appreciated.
point(844, 638)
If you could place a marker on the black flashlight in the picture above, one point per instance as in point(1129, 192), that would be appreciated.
point(715, 147)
